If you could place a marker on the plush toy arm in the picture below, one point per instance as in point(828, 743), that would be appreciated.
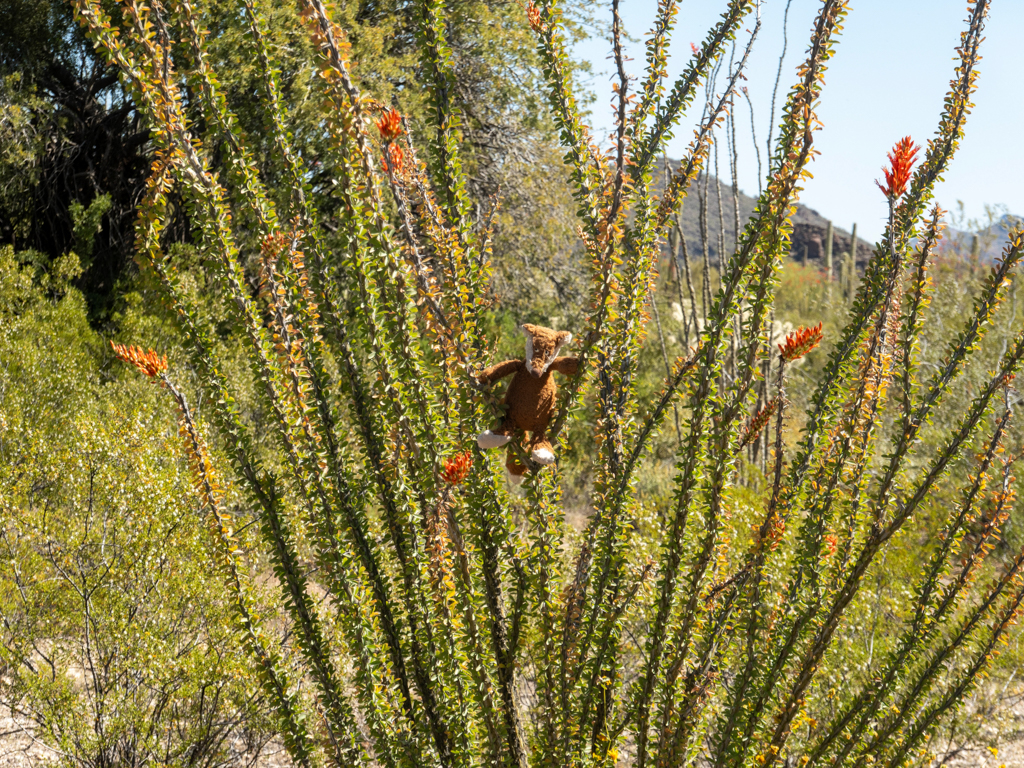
point(499, 371)
point(567, 366)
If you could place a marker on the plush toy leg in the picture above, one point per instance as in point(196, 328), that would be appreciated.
point(540, 449)
point(516, 471)
point(488, 439)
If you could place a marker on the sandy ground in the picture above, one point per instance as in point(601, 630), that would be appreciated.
point(1011, 755)
point(17, 747)
point(1008, 751)
point(19, 750)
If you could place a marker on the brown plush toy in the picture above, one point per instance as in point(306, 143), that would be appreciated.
point(530, 398)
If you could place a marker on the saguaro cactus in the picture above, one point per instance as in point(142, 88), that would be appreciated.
point(851, 269)
point(829, 236)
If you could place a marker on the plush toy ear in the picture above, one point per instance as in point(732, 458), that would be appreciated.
point(525, 328)
point(563, 338)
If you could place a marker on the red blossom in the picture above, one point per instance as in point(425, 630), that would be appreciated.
point(533, 16)
point(831, 543)
point(800, 342)
point(394, 158)
point(390, 124)
point(758, 422)
point(456, 469)
point(149, 363)
point(897, 175)
point(774, 528)
point(694, 49)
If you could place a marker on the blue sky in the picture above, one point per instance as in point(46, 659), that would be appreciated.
point(888, 79)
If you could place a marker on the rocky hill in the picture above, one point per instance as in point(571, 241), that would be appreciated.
point(989, 243)
point(809, 226)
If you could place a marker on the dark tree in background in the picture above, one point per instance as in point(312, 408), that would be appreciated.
point(71, 137)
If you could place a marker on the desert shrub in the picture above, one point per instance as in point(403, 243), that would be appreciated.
point(115, 646)
point(443, 619)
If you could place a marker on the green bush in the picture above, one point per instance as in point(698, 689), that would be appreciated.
point(115, 646)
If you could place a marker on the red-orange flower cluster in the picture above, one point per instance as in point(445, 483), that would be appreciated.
point(897, 175)
point(758, 422)
point(694, 49)
point(533, 16)
point(831, 544)
point(774, 528)
point(150, 363)
point(394, 158)
point(390, 124)
point(800, 342)
point(456, 469)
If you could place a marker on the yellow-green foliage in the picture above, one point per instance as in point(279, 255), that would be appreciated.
point(115, 647)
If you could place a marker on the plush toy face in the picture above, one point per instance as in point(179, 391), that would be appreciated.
point(542, 347)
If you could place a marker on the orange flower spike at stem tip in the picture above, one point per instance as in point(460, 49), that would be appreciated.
point(831, 543)
point(897, 175)
point(149, 363)
point(390, 124)
point(394, 156)
point(456, 469)
point(800, 342)
point(533, 16)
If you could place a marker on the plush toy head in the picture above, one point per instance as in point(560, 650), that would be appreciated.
point(542, 346)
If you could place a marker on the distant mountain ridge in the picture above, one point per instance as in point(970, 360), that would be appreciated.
point(991, 239)
point(809, 226)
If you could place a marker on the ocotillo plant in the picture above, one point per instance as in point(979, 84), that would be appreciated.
point(440, 620)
